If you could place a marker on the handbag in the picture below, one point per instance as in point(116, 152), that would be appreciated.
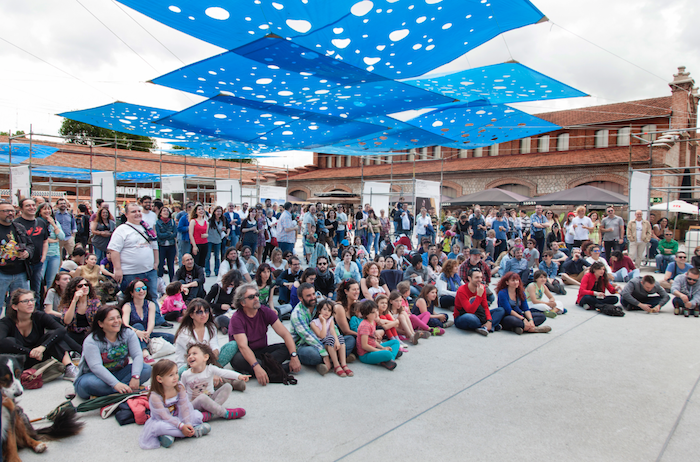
point(159, 347)
point(274, 242)
point(46, 371)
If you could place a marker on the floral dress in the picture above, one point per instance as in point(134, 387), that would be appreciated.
point(261, 228)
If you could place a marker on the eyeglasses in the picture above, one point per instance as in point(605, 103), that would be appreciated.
point(322, 263)
point(82, 284)
point(681, 256)
point(691, 280)
point(202, 311)
point(31, 301)
point(252, 296)
point(140, 289)
point(595, 251)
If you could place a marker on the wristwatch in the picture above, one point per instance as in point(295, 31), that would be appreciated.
point(137, 377)
point(294, 355)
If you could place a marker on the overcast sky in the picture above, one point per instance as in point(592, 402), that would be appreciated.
point(650, 38)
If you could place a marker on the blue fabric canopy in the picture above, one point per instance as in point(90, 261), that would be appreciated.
point(390, 38)
point(54, 171)
point(20, 152)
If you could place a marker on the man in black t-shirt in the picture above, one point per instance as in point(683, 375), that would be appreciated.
point(38, 232)
point(192, 278)
point(15, 250)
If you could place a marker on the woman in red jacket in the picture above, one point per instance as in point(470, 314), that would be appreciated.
point(591, 293)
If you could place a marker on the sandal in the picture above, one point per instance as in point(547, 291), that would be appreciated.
point(341, 372)
point(347, 370)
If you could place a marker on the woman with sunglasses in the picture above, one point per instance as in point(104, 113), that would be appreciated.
point(78, 307)
point(197, 326)
point(139, 315)
point(220, 298)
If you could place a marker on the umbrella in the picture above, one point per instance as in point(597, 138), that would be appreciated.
point(677, 206)
point(582, 195)
point(493, 196)
point(89, 405)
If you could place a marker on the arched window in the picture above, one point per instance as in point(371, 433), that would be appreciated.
point(329, 162)
point(299, 194)
point(493, 150)
point(516, 188)
point(543, 145)
point(601, 138)
point(649, 128)
point(449, 192)
point(607, 185)
point(563, 142)
point(525, 144)
point(623, 136)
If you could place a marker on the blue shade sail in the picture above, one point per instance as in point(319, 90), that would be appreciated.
point(250, 121)
point(472, 127)
point(299, 78)
point(497, 84)
point(20, 152)
point(394, 39)
point(54, 171)
point(131, 118)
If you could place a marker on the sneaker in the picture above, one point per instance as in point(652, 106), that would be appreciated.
point(201, 430)
point(696, 313)
point(391, 365)
point(166, 325)
point(482, 331)
point(415, 338)
point(586, 306)
point(564, 311)
point(206, 416)
point(562, 290)
point(498, 328)
point(166, 440)
point(424, 334)
point(448, 324)
point(232, 414)
point(542, 329)
point(550, 314)
point(518, 330)
point(70, 373)
point(351, 358)
point(322, 369)
point(435, 331)
point(399, 354)
point(224, 330)
point(403, 349)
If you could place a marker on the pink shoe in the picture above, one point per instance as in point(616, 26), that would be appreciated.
point(206, 416)
point(148, 360)
point(404, 349)
point(234, 413)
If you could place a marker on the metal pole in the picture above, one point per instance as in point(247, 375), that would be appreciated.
point(10, 152)
point(31, 133)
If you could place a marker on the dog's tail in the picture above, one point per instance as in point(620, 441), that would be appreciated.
point(64, 425)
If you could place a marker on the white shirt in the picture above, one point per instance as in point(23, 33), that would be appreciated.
point(601, 260)
point(342, 217)
point(136, 253)
point(405, 221)
point(581, 233)
point(196, 384)
point(226, 267)
point(640, 228)
point(421, 223)
point(184, 338)
point(149, 217)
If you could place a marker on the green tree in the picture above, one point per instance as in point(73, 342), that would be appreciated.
point(17, 133)
point(82, 133)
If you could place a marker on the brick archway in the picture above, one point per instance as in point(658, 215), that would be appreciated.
point(621, 180)
point(454, 185)
point(338, 187)
point(294, 188)
point(513, 180)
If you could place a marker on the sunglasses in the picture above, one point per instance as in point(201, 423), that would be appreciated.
point(681, 256)
point(138, 289)
point(202, 311)
point(595, 251)
point(253, 296)
point(82, 284)
point(691, 280)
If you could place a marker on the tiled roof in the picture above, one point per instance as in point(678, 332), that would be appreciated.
point(630, 110)
point(583, 158)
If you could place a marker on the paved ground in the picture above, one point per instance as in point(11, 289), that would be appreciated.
point(595, 388)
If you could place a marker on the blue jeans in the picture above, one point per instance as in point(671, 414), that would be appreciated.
point(286, 247)
point(100, 254)
point(166, 253)
point(420, 237)
point(309, 356)
point(373, 242)
point(165, 336)
point(622, 275)
point(151, 280)
point(216, 250)
point(653, 246)
point(10, 282)
point(233, 240)
point(90, 385)
point(376, 357)
point(35, 282)
point(662, 262)
point(183, 248)
point(469, 321)
point(51, 267)
point(339, 236)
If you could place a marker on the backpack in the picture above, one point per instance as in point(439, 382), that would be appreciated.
point(611, 310)
point(275, 372)
point(80, 225)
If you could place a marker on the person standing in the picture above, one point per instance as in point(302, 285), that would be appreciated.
point(166, 230)
point(538, 228)
point(613, 229)
point(183, 229)
point(66, 220)
point(134, 250)
point(638, 236)
point(147, 214)
point(102, 228)
point(82, 222)
point(582, 226)
point(287, 227)
point(218, 231)
point(234, 221)
point(16, 251)
point(422, 223)
point(38, 232)
point(199, 234)
point(477, 228)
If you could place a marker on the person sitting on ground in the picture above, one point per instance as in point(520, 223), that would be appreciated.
point(220, 298)
point(574, 268)
point(676, 267)
point(686, 293)
point(400, 258)
point(472, 308)
point(266, 287)
point(417, 274)
point(79, 303)
point(695, 260)
point(251, 262)
point(369, 349)
point(517, 265)
point(518, 317)
point(77, 259)
point(347, 269)
point(447, 284)
point(644, 293)
point(551, 270)
point(248, 327)
point(560, 252)
point(594, 256)
point(191, 275)
point(173, 304)
point(531, 254)
point(426, 302)
point(325, 279)
point(591, 293)
point(233, 261)
point(90, 270)
point(540, 298)
point(111, 360)
point(668, 247)
point(310, 346)
point(286, 280)
point(53, 296)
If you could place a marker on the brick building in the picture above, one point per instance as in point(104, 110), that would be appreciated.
point(594, 147)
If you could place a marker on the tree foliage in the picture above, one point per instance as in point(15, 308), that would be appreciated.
point(82, 133)
point(17, 133)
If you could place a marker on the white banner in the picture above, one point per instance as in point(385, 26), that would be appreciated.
point(103, 188)
point(173, 184)
point(639, 194)
point(427, 194)
point(228, 191)
point(277, 194)
point(21, 184)
point(377, 195)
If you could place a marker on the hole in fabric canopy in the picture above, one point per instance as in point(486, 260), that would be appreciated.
point(216, 12)
point(361, 8)
point(341, 43)
point(220, 116)
point(371, 61)
point(417, 46)
point(124, 121)
point(447, 26)
point(437, 123)
point(338, 30)
point(131, 117)
point(174, 9)
point(285, 93)
point(266, 115)
point(321, 92)
point(430, 47)
point(381, 47)
point(481, 112)
point(313, 127)
point(398, 35)
point(421, 19)
point(277, 6)
point(432, 2)
point(287, 132)
point(280, 122)
point(263, 81)
point(300, 25)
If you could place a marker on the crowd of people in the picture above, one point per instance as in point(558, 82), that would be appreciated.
point(90, 288)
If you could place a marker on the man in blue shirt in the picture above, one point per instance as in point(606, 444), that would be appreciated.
point(65, 218)
point(234, 219)
point(518, 265)
point(478, 228)
point(538, 228)
point(183, 228)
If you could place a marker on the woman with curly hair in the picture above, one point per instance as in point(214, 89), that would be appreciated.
point(78, 306)
point(518, 317)
point(139, 315)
